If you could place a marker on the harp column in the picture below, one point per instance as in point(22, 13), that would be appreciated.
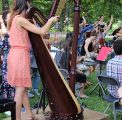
point(74, 44)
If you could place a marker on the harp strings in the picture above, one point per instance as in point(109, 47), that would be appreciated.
point(60, 7)
point(57, 9)
point(39, 18)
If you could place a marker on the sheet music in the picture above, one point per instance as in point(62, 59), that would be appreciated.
point(103, 54)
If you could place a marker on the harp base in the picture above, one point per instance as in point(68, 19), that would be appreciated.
point(64, 117)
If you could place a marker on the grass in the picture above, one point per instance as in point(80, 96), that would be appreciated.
point(2, 116)
point(95, 102)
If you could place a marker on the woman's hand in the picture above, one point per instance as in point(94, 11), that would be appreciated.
point(111, 18)
point(54, 19)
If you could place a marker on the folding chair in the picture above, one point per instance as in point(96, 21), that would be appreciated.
point(61, 62)
point(8, 105)
point(101, 60)
point(104, 81)
point(102, 72)
point(65, 74)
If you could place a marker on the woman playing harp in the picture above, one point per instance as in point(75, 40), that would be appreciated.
point(19, 57)
point(61, 99)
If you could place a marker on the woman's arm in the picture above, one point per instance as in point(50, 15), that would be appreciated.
point(79, 59)
point(22, 22)
point(87, 43)
point(3, 29)
point(108, 27)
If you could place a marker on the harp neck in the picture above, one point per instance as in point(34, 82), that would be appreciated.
point(37, 15)
point(57, 8)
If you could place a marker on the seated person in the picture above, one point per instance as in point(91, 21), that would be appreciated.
point(81, 75)
point(120, 94)
point(66, 64)
point(90, 44)
point(81, 66)
point(36, 79)
point(119, 33)
point(114, 67)
point(116, 33)
point(81, 78)
point(6, 90)
point(89, 49)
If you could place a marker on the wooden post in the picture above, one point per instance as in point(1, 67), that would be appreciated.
point(74, 45)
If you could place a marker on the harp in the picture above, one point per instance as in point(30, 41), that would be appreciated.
point(63, 103)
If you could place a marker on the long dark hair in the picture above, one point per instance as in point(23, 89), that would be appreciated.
point(117, 46)
point(116, 31)
point(18, 7)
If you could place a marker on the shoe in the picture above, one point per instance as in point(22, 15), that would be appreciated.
point(23, 110)
point(32, 118)
point(30, 95)
point(83, 96)
point(8, 113)
point(35, 92)
point(88, 82)
point(48, 113)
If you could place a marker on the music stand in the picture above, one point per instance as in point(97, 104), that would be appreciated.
point(101, 59)
point(42, 98)
point(41, 102)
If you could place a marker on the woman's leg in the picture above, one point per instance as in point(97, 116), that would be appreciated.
point(81, 78)
point(19, 93)
point(81, 92)
point(27, 104)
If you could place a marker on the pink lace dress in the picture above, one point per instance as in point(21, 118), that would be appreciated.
point(18, 73)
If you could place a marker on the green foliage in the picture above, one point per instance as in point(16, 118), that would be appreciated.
point(94, 8)
point(0, 5)
point(44, 6)
point(2, 116)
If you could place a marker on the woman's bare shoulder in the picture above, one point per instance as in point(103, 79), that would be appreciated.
point(21, 21)
point(88, 40)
